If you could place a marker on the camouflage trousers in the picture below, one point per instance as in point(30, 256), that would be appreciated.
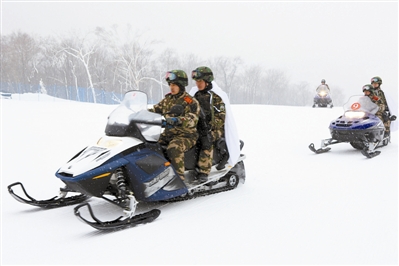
point(205, 158)
point(387, 124)
point(175, 151)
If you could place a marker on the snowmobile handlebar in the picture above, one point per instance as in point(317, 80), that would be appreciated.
point(155, 123)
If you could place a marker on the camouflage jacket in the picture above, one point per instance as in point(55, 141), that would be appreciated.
point(378, 101)
point(380, 94)
point(214, 111)
point(189, 118)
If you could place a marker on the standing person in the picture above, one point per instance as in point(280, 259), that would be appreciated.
point(216, 121)
point(180, 134)
point(376, 83)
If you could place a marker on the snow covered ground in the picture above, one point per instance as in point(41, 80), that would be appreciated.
point(296, 207)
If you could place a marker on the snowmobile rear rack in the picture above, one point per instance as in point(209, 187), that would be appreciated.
point(55, 202)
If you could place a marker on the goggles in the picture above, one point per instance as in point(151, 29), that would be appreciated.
point(197, 75)
point(374, 80)
point(170, 76)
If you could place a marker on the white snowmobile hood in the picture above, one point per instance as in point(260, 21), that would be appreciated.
point(230, 129)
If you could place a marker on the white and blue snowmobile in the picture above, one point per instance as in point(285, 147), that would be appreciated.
point(128, 166)
point(359, 126)
point(322, 97)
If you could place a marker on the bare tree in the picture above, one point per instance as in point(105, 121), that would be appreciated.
point(225, 71)
point(83, 49)
point(301, 94)
point(250, 85)
point(276, 88)
point(20, 56)
point(133, 58)
point(189, 62)
point(167, 60)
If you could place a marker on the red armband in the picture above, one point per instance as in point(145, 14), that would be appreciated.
point(188, 100)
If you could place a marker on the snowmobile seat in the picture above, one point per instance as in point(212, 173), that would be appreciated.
point(221, 153)
point(190, 156)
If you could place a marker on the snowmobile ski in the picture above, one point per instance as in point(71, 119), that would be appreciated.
point(318, 151)
point(55, 202)
point(118, 223)
point(370, 154)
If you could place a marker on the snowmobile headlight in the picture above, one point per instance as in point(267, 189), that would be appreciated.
point(351, 114)
point(108, 143)
point(322, 93)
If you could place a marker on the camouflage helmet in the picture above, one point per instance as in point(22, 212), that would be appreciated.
point(202, 73)
point(323, 81)
point(178, 77)
point(376, 80)
point(368, 87)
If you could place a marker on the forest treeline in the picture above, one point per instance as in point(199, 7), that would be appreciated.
point(101, 60)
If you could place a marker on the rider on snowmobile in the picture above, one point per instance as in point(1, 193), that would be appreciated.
point(376, 83)
point(369, 91)
point(180, 133)
point(323, 83)
point(211, 121)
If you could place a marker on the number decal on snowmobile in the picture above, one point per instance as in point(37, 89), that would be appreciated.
point(355, 106)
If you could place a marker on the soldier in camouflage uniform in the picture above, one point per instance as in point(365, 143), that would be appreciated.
point(180, 133)
point(211, 120)
point(376, 83)
point(369, 91)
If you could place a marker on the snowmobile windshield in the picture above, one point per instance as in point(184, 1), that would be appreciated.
point(358, 105)
point(322, 90)
point(132, 119)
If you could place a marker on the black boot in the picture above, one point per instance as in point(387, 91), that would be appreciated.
point(202, 177)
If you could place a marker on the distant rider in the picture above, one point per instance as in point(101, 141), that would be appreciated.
point(323, 83)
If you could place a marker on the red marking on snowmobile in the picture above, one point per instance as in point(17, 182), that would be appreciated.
point(355, 106)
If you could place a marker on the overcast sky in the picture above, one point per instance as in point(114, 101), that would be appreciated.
point(345, 43)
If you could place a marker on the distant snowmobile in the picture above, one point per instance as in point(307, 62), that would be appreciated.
point(129, 166)
point(322, 97)
point(359, 126)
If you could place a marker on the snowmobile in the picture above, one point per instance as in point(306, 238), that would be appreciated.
point(359, 126)
point(128, 166)
point(322, 97)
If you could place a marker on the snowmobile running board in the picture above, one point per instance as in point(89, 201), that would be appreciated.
point(54, 202)
point(118, 223)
